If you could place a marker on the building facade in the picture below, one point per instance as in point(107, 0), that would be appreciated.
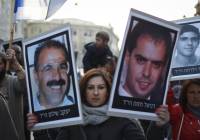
point(82, 32)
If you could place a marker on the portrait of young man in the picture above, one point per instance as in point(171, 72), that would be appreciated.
point(146, 56)
point(186, 57)
point(187, 45)
point(141, 78)
point(51, 74)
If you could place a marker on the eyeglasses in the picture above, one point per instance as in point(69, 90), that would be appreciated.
point(50, 67)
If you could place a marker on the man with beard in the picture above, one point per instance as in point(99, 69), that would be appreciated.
point(8, 131)
point(145, 59)
point(51, 73)
point(12, 89)
point(97, 52)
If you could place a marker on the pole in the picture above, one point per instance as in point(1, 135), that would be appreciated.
point(12, 27)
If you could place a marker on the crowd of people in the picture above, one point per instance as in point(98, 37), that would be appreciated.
point(177, 120)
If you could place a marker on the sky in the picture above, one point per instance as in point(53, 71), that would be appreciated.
point(115, 12)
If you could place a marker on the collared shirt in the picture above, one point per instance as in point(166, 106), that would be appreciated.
point(68, 100)
point(194, 61)
point(124, 93)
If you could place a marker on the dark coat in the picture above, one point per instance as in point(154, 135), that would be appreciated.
point(94, 56)
point(7, 126)
point(112, 129)
point(70, 133)
point(190, 128)
point(154, 132)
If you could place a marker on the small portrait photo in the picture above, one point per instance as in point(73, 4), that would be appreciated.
point(140, 83)
point(52, 80)
point(186, 59)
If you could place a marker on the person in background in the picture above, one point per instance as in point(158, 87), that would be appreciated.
point(95, 88)
point(11, 71)
point(19, 54)
point(97, 52)
point(185, 116)
point(109, 65)
point(12, 89)
point(7, 129)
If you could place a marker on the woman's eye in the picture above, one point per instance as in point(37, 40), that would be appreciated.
point(102, 87)
point(90, 87)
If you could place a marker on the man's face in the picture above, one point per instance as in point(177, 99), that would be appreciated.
point(100, 42)
point(145, 66)
point(187, 44)
point(52, 76)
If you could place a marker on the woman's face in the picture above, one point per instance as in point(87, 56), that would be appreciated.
point(96, 91)
point(193, 95)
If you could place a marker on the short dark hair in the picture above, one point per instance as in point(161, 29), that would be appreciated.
point(49, 44)
point(104, 35)
point(157, 32)
point(189, 28)
point(183, 96)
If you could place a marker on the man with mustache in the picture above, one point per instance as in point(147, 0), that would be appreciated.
point(51, 73)
point(146, 56)
point(186, 47)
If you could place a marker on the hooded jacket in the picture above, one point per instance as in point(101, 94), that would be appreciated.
point(94, 56)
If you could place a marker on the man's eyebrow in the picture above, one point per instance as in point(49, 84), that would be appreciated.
point(145, 59)
point(45, 66)
point(188, 37)
point(158, 62)
point(141, 57)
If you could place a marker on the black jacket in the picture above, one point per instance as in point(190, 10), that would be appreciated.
point(70, 133)
point(112, 129)
point(94, 56)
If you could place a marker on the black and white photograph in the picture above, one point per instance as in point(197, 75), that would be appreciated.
point(143, 70)
point(186, 59)
point(52, 80)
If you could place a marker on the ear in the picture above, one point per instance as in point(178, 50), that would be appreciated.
point(127, 57)
point(35, 76)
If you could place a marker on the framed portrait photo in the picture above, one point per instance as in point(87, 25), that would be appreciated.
point(186, 59)
point(51, 78)
point(142, 73)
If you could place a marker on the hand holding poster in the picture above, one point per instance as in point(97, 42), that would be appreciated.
point(140, 82)
point(52, 82)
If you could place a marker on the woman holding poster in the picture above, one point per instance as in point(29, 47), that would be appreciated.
point(95, 89)
point(185, 116)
